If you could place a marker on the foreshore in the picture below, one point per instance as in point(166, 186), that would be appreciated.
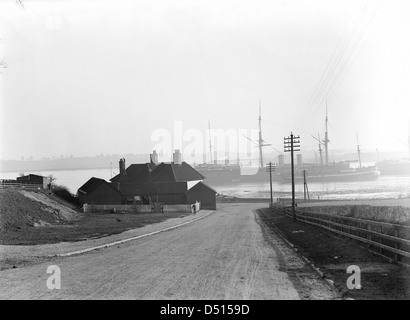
point(403, 202)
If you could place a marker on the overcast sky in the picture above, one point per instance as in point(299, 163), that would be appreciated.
point(92, 77)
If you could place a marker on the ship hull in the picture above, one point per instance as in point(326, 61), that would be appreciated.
point(219, 174)
point(336, 173)
point(335, 177)
point(262, 176)
point(394, 169)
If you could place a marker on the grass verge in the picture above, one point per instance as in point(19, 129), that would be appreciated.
point(379, 278)
point(89, 226)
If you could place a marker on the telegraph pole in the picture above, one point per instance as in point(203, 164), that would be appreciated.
point(290, 143)
point(305, 186)
point(358, 150)
point(269, 168)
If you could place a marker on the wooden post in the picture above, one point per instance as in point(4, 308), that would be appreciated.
point(304, 185)
point(396, 245)
point(369, 236)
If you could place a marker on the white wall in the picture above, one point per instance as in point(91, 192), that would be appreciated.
point(190, 184)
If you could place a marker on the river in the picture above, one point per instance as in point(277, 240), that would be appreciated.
point(386, 187)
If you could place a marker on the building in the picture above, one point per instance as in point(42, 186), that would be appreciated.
point(129, 180)
point(203, 193)
point(33, 179)
point(171, 183)
point(168, 183)
point(99, 191)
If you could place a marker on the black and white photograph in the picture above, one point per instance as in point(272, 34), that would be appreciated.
point(203, 154)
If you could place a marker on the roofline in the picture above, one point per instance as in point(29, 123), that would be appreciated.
point(204, 185)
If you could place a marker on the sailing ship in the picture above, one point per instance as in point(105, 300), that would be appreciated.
point(217, 174)
point(329, 171)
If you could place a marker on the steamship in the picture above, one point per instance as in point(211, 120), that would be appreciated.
point(329, 171)
point(326, 171)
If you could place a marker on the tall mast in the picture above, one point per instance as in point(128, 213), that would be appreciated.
point(326, 141)
point(210, 144)
point(408, 135)
point(260, 138)
point(358, 150)
point(320, 149)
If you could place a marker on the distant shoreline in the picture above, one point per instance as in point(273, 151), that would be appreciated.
point(54, 169)
point(70, 163)
point(315, 202)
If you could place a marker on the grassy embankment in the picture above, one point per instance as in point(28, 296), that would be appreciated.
point(35, 217)
point(380, 279)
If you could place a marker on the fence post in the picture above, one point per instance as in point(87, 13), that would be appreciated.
point(369, 236)
point(396, 245)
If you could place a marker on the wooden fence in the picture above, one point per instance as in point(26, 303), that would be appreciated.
point(138, 208)
point(386, 239)
point(6, 184)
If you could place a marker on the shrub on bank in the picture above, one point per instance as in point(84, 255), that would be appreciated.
point(64, 193)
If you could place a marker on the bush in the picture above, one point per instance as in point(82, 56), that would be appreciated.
point(64, 193)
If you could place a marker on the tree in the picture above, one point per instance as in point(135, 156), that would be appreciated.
point(20, 2)
point(3, 65)
point(51, 179)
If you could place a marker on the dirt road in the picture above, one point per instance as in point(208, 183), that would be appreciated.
point(227, 255)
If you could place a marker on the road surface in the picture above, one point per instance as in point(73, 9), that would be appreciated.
point(227, 255)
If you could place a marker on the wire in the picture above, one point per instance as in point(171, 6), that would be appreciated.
point(339, 51)
point(358, 41)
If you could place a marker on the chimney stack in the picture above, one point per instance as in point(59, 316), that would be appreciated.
point(177, 157)
point(154, 157)
point(122, 166)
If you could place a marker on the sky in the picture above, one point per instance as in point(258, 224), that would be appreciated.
point(108, 77)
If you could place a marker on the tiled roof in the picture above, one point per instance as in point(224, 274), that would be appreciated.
point(136, 173)
point(199, 186)
point(30, 175)
point(170, 172)
point(153, 188)
point(93, 183)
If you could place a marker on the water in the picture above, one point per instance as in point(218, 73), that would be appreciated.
point(72, 179)
point(386, 187)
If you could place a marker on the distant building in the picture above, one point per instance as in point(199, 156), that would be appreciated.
point(168, 183)
point(203, 193)
point(98, 191)
point(33, 179)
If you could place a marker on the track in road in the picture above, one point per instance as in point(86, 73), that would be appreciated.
point(228, 255)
